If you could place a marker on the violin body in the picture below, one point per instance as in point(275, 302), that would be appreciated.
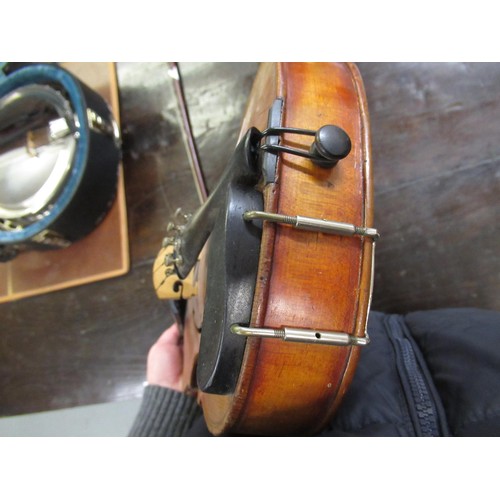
point(307, 282)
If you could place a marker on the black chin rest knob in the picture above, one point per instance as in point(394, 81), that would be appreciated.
point(330, 145)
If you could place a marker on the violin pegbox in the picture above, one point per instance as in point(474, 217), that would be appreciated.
point(166, 281)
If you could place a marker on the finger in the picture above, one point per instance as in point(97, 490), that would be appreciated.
point(170, 335)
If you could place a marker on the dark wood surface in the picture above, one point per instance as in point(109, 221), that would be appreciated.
point(436, 160)
point(436, 164)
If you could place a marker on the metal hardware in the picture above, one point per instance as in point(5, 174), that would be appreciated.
point(58, 141)
point(99, 124)
point(51, 238)
point(331, 144)
point(303, 335)
point(268, 161)
point(166, 282)
point(312, 224)
point(37, 138)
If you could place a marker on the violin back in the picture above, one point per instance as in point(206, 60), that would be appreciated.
point(306, 280)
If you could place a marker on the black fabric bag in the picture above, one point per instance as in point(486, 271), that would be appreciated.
point(429, 373)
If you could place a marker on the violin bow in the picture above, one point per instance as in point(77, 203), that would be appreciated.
point(187, 132)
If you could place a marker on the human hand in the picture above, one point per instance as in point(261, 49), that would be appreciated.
point(165, 360)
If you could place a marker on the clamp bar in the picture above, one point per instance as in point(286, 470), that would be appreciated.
point(303, 335)
point(312, 224)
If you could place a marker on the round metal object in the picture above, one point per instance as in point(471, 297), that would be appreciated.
point(59, 158)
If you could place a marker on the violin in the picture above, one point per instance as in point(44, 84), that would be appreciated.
point(271, 279)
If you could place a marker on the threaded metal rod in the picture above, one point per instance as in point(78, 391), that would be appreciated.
point(312, 224)
point(303, 335)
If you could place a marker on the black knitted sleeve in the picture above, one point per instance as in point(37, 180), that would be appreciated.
point(164, 412)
